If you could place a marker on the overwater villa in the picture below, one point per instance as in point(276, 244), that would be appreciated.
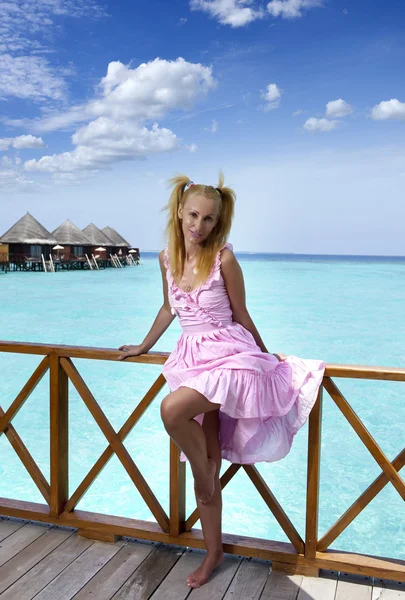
point(99, 240)
point(120, 244)
point(28, 245)
point(26, 242)
point(73, 244)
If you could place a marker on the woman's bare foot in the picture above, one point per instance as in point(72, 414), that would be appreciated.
point(205, 486)
point(202, 574)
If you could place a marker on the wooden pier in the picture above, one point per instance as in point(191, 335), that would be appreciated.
point(70, 264)
point(300, 561)
point(53, 563)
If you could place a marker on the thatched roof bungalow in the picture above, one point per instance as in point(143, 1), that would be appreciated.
point(121, 246)
point(99, 239)
point(28, 239)
point(113, 234)
point(75, 243)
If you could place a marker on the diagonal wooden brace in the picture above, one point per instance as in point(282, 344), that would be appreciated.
point(358, 506)
point(109, 452)
point(27, 460)
point(275, 508)
point(365, 436)
point(24, 394)
point(116, 444)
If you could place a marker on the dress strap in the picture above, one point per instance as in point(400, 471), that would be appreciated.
point(215, 273)
point(166, 258)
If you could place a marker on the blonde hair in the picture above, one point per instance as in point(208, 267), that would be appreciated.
point(218, 236)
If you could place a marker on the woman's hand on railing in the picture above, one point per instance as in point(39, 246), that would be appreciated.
point(128, 350)
point(280, 356)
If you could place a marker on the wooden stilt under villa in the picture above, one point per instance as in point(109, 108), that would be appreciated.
point(52, 550)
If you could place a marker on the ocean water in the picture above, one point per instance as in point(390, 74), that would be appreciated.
point(346, 310)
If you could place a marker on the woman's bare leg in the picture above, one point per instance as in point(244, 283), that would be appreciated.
point(178, 410)
point(211, 512)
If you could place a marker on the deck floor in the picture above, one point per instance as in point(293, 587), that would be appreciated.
point(53, 563)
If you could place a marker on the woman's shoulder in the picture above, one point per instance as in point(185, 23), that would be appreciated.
point(227, 255)
point(164, 258)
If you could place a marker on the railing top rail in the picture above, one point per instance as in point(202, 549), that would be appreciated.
point(159, 358)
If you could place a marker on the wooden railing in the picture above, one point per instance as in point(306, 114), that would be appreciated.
point(299, 556)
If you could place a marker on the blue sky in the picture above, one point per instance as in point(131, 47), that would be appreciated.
point(300, 102)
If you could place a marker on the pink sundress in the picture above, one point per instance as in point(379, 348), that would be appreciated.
point(263, 402)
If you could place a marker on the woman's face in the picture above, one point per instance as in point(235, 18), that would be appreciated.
point(199, 216)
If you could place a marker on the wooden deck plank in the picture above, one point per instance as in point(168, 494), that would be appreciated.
point(79, 572)
point(280, 586)
point(249, 581)
point(116, 572)
point(316, 588)
point(353, 587)
point(174, 586)
point(21, 538)
point(45, 571)
point(150, 574)
point(388, 590)
point(217, 586)
point(9, 526)
point(15, 568)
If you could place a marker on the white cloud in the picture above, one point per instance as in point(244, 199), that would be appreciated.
point(147, 92)
point(214, 126)
point(235, 13)
point(22, 141)
point(298, 112)
point(26, 32)
point(272, 95)
point(127, 100)
point(24, 21)
point(103, 142)
point(27, 141)
point(338, 108)
point(291, 9)
point(30, 77)
point(13, 179)
point(388, 109)
point(314, 124)
point(182, 21)
point(192, 147)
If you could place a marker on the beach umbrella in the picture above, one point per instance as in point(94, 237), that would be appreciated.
point(58, 247)
point(100, 249)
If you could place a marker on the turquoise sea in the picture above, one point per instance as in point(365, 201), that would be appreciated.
point(339, 309)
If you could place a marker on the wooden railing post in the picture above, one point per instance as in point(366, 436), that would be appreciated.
point(314, 463)
point(59, 426)
point(177, 491)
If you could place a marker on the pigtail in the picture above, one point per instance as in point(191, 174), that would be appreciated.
point(228, 198)
point(173, 228)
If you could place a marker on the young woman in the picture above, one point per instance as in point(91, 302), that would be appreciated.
point(229, 397)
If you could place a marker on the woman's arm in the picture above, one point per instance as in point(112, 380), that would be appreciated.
point(235, 286)
point(163, 319)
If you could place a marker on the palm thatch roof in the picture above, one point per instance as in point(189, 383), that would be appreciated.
point(69, 234)
point(115, 237)
point(96, 236)
point(28, 231)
